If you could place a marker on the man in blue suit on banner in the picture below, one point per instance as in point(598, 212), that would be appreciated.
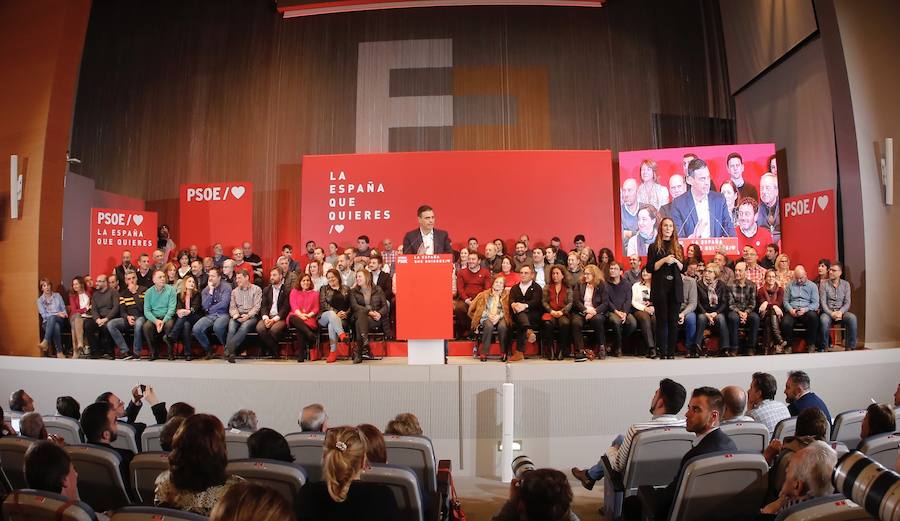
point(700, 213)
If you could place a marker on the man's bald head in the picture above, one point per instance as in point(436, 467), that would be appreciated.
point(735, 401)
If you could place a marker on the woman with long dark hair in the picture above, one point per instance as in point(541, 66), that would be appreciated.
point(665, 262)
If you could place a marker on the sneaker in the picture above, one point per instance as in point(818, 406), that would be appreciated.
point(582, 476)
point(128, 356)
point(332, 357)
point(580, 357)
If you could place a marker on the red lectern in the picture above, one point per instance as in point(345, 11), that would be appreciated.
point(425, 305)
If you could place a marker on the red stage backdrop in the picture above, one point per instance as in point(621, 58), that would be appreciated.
point(217, 212)
point(670, 161)
point(115, 230)
point(488, 195)
point(809, 228)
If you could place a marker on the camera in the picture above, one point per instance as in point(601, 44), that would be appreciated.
point(521, 465)
point(867, 483)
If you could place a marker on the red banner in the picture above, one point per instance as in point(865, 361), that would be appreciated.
point(217, 212)
point(483, 194)
point(114, 231)
point(809, 228)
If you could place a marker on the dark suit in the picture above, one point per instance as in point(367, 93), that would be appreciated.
point(531, 317)
point(270, 336)
point(684, 213)
point(412, 241)
point(363, 322)
point(384, 282)
point(714, 441)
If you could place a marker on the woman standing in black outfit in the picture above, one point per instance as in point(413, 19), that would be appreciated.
point(665, 261)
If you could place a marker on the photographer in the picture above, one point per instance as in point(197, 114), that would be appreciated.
point(542, 494)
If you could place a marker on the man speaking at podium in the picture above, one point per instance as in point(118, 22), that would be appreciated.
point(700, 213)
point(426, 239)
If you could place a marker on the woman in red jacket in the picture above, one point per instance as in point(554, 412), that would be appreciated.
point(304, 310)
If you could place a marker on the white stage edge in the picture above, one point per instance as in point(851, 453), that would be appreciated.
point(565, 413)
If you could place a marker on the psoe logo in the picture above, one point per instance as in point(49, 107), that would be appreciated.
point(119, 219)
point(215, 193)
point(806, 206)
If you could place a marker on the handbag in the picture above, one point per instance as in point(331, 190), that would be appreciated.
point(456, 511)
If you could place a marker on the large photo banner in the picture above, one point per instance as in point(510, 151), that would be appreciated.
point(488, 195)
point(809, 228)
point(114, 231)
point(215, 213)
point(729, 200)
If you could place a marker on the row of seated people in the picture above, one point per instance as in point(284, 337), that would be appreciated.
point(709, 415)
point(197, 451)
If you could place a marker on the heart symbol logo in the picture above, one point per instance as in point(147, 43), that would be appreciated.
point(823, 201)
point(238, 191)
point(138, 219)
point(339, 228)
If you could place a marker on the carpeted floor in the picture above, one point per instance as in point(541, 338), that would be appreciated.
point(482, 498)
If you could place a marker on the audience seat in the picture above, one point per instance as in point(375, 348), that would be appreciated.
point(150, 438)
point(882, 448)
point(654, 459)
point(403, 484)
point(829, 508)
point(748, 436)
point(154, 514)
point(236, 444)
point(847, 426)
point(126, 437)
point(5, 486)
point(65, 427)
point(37, 505)
point(785, 428)
point(723, 485)
point(417, 453)
point(307, 449)
point(99, 481)
point(839, 447)
point(142, 473)
point(12, 459)
point(285, 478)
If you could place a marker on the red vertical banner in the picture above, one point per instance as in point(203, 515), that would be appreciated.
point(809, 228)
point(424, 297)
point(215, 212)
point(114, 231)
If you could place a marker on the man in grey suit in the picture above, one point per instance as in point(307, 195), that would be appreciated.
point(426, 239)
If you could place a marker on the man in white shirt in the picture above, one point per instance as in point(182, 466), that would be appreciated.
point(761, 404)
point(427, 239)
point(541, 268)
point(348, 278)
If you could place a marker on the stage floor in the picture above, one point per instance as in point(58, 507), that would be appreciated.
point(565, 412)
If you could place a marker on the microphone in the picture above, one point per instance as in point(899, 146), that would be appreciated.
point(684, 221)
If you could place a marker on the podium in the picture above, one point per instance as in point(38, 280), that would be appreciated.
point(425, 306)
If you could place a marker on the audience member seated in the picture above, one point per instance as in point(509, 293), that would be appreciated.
point(196, 478)
point(879, 419)
point(687, 316)
point(526, 307)
point(644, 312)
point(633, 274)
point(489, 311)
point(811, 426)
point(376, 450)
point(742, 311)
point(340, 496)
point(49, 468)
point(834, 298)
point(275, 307)
point(251, 502)
point(104, 308)
point(575, 269)
point(808, 476)
point(801, 301)
point(180, 409)
point(6, 428)
point(52, 310)
point(246, 301)
point(761, 404)
point(702, 418)
point(770, 299)
point(590, 303)
point(159, 311)
point(188, 309)
point(269, 444)
point(98, 423)
point(32, 426)
point(768, 260)
point(508, 272)
point(68, 407)
point(735, 403)
point(800, 397)
point(313, 418)
point(130, 413)
point(334, 311)
point(167, 434)
point(539, 494)
point(712, 305)
point(216, 301)
point(667, 401)
point(470, 282)
point(243, 420)
point(404, 424)
point(557, 311)
point(370, 311)
point(755, 273)
point(79, 305)
point(131, 317)
point(619, 315)
point(304, 307)
point(21, 402)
